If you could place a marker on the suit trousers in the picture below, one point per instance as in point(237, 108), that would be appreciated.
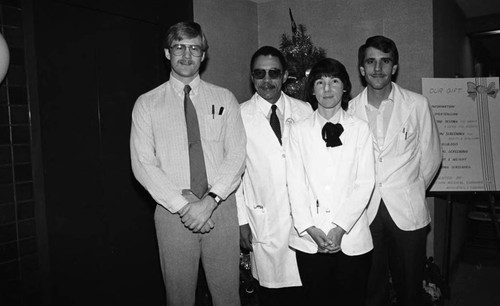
point(398, 254)
point(333, 279)
point(181, 251)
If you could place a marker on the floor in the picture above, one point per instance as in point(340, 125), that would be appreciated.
point(474, 281)
point(248, 286)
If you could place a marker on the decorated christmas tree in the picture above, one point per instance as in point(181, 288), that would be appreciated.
point(300, 54)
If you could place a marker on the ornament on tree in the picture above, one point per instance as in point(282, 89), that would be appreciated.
point(301, 55)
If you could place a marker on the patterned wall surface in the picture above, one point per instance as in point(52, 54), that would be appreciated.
point(19, 258)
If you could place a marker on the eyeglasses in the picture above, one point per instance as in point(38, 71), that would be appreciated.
point(261, 73)
point(179, 49)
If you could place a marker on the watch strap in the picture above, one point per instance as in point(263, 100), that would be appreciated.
point(215, 197)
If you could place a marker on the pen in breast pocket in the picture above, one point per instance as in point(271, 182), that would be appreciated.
point(213, 111)
point(221, 110)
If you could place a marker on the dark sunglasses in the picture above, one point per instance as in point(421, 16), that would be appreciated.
point(261, 73)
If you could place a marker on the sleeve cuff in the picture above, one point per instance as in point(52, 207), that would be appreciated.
point(302, 230)
point(242, 218)
point(218, 191)
point(177, 204)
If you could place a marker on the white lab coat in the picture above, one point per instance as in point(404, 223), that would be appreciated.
point(262, 198)
point(340, 179)
point(408, 160)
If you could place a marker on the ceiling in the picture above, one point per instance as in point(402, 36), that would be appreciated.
point(478, 8)
point(471, 8)
point(484, 14)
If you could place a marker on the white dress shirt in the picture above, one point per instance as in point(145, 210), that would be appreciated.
point(159, 146)
point(378, 118)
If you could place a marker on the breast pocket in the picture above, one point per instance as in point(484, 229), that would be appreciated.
point(212, 127)
point(407, 141)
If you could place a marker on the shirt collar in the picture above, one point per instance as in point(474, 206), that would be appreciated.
point(335, 119)
point(384, 103)
point(392, 94)
point(179, 86)
point(265, 106)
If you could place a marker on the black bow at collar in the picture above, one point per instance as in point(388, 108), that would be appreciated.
point(331, 133)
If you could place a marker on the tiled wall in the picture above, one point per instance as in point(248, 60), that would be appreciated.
point(19, 258)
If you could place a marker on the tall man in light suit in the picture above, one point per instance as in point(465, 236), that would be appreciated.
point(407, 157)
point(263, 204)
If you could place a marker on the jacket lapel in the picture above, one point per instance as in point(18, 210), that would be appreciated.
point(400, 113)
point(320, 154)
point(288, 117)
point(358, 109)
point(262, 124)
point(345, 121)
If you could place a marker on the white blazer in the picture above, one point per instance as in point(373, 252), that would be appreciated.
point(408, 160)
point(262, 197)
point(330, 186)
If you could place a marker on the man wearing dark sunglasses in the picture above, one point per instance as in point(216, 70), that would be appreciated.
point(262, 198)
point(187, 148)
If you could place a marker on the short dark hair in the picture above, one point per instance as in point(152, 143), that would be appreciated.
point(268, 50)
point(331, 68)
point(183, 30)
point(381, 43)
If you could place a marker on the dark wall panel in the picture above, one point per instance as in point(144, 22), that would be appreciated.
point(94, 60)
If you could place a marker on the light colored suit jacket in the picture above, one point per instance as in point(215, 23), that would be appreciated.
point(330, 186)
point(262, 197)
point(407, 162)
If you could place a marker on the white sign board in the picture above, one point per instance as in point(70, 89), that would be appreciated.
point(467, 112)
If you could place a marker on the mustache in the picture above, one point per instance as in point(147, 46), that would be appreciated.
point(185, 61)
point(267, 85)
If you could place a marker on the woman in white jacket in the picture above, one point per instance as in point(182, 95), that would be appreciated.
point(330, 176)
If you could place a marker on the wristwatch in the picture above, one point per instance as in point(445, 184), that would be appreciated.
point(215, 197)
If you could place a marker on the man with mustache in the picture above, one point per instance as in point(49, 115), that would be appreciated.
point(407, 157)
point(262, 198)
point(187, 148)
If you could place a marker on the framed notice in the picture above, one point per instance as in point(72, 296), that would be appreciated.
point(467, 112)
